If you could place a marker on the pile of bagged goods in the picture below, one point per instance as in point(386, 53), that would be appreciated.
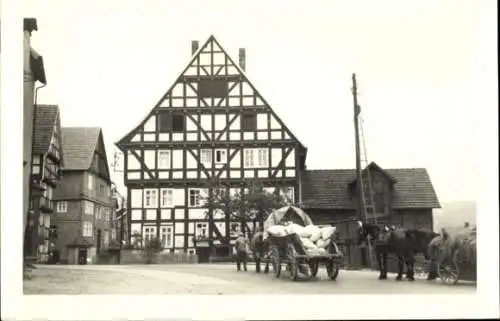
point(314, 238)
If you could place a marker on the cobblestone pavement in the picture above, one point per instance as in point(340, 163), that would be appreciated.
point(217, 279)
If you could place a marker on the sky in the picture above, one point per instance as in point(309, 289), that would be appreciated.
point(418, 65)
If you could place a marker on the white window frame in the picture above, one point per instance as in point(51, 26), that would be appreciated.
point(223, 156)
point(90, 181)
point(113, 234)
point(106, 239)
point(89, 207)
point(166, 237)
point(153, 198)
point(164, 159)
point(199, 230)
point(249, 158)
point(87, 229)
point(197, 197)
point(62, 207)
point(148, 232)
point(262, 157)
point(167, 197)
point(206, 157)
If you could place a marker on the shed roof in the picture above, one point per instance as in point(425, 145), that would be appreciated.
point(330, 188)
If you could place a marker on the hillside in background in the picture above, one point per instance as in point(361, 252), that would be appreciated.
point(454, 214)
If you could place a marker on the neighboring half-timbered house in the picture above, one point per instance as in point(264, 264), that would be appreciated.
point(46, 165)
point(211, 124)
point(85, 208)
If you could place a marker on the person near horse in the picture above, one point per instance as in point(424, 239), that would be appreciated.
point(242, 248)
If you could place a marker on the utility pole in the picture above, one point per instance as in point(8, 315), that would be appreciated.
point(359, 186)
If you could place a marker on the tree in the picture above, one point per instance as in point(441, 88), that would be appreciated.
point(151, 247)
point(136, 240)
point(253, 205)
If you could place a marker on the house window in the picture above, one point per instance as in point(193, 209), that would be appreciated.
point(89, 208)
point(263, 160)
point(166, 236)
point(62, 207)
point(164, 159)
point(90, 183)
point(194, 197)
point(217, 88)
point(201, 230)
point(177, 123)
point(248, 157)
point(220, 156)
point(87, 229)
point(167, 197)
point(106, 238)
point(150, 198)
point(379, 200)
point(249, 122)
point(149, 233)
point(113, 234)
point(206, 156)
point(101, 190)
point(164, 123)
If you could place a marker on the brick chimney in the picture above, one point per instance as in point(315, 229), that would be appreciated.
point(194, 46)
point(242, 62)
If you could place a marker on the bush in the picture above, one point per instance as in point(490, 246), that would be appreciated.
point(152, 247)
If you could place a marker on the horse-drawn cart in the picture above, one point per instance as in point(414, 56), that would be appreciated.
point(455, 257)
point(289, 251)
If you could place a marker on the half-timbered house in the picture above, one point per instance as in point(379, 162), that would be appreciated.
point(46, 165)
point(84, 208)
point(34, 71)
point(211, 124)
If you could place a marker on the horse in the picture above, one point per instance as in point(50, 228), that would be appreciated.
point(260, 249)
point(404, 243)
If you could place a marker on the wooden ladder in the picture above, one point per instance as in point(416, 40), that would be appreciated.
point(368, 202)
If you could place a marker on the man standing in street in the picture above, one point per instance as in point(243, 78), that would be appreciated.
point(242, 247)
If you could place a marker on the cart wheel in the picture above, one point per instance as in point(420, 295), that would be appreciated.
point(275, 260)
point(448, 272)
point(332, 270)
point(294, 271)
point(314, 268)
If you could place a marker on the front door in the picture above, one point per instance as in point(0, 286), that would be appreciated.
point(82, 256)
point(203, 254)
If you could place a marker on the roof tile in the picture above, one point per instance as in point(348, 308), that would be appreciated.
point(79, 144)
point(329, 188)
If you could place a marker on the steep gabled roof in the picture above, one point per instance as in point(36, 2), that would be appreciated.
point(210, 44)
point(330, 188)
point(46, 117)
point(78, 145)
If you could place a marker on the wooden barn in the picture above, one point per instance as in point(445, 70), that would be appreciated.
point(402, 196)
point(211, 123)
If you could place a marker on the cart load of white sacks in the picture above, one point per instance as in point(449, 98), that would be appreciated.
point(299, 245)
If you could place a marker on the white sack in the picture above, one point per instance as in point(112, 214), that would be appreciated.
point(308, 244)
point(322, 243)
point(315, 232)
point(295, 228)
point(327, 232)
point(277, 230)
